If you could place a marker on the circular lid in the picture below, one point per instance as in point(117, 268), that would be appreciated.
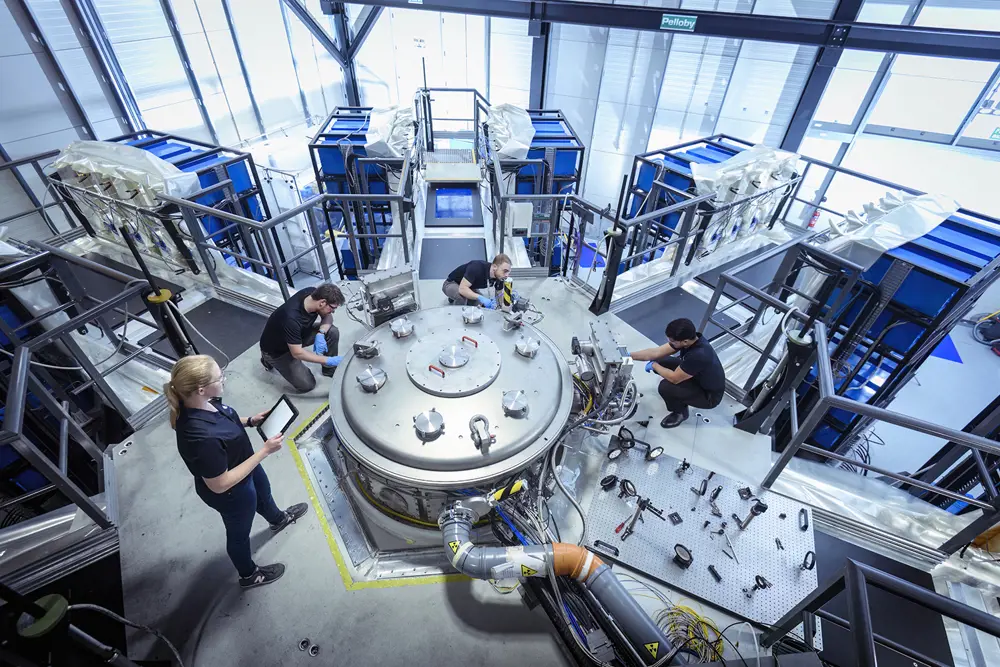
point(401, 327)
point(429, 424)
point(372, 379)
point(515, 403)
point(454, 356)
point(526, 346)
point(395, 432)
point(464, 369)
point(472, 314)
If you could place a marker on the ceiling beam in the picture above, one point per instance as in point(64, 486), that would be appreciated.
point(913, 40)
point(303, 15)
point(362, 28)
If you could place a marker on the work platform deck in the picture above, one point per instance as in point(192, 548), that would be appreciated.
point(178, 579)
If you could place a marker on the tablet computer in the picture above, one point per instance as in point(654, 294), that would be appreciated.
point(278, 419)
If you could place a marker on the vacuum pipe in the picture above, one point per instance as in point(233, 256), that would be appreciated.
point(566, 560)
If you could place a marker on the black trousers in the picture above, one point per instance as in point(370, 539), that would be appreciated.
point(683, 394)
point(237, 507)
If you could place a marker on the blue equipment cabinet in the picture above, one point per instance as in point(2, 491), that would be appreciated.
point(557, 142)
point(663, 178)
point(900, 310)
point(342, 166)
point(214, 164)
point(929, 283)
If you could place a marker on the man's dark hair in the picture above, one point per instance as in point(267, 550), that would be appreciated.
point(329, 293)
point(681, 329)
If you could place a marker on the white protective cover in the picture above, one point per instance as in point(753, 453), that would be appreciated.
point(511, 131)
point(898, 218)
point(118, 162)
point(895, 219)
point(390, 131)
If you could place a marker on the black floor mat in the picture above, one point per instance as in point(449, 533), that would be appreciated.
point(651, 316)
point(913, 626)
point(439, 257)
point(230, 328)
point(103, 288)
point(758, 276)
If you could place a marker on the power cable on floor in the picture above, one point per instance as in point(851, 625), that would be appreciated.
point(132, 624)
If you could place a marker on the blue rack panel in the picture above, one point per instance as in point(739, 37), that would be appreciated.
point(553, 131)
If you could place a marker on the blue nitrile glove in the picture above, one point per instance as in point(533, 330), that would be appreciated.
point(319, 345)
point(333, 362)
point(487, 302)
point(514, 295)
point(649, 366)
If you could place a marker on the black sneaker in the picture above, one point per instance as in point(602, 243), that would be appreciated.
point(267, 367)
point(264, 575)
point(329, 371)
point(291, 515)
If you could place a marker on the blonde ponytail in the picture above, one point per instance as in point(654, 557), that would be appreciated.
point(186, 377)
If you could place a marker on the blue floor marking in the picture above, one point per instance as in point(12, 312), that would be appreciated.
point(946, 350)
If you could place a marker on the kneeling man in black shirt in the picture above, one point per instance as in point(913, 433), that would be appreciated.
point(694, 377)
point(463, 284)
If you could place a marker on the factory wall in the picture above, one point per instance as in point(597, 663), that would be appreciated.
point(929, 122)
point(37, 115)
point(453, 47)
point(293, 79)
point(638, 91)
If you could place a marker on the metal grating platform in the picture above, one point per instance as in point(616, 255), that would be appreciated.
point(449, 155)
point(650, 549)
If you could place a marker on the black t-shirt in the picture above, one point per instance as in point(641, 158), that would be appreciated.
point(211, 442)
point(289, 324)
point(702, 363)
point(477, 272)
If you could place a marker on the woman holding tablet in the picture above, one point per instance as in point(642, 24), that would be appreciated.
point(228, 477)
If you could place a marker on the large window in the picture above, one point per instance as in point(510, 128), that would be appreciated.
point(923, 122)
point(406, 43)
point(930, 94)
point(145, 49)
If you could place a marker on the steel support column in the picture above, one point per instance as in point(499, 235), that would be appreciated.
point(302, 14)
point(227, 10)
point(362, 28)
point(175, 33)
point(823, 67)
point(343, 29)
point(539, 32)
point(86, 15)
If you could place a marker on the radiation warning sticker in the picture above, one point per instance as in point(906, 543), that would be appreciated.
point(527, 571)
point(653, 648)
point(454, 546)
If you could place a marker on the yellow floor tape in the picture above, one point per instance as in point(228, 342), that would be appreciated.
point(345, 573)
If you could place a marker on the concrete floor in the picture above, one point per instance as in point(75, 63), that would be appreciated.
point(177, 577)
point(978, 374)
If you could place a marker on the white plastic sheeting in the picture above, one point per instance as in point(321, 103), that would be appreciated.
point(128, 165)
point(732, 231)
point(128, 174)
point(511, 131)
point(889, 223)
point(896, 219)
point(739, 179)
point(390, 131)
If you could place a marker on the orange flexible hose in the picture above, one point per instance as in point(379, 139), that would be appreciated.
point(569, 560)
